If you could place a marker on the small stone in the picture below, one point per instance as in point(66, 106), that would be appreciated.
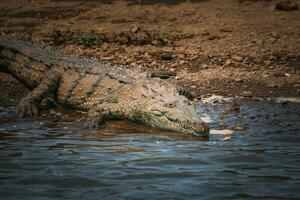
point(272, 57)
point(247, 94)
point(253, 55)
point(273, 40)
point(166, 56)
point(287, 5)
point(228, 62)
point(275, 34)
point(273, 85)
point(105, 45)
point(259, 42)
point(181, 56)
point(281, 74)
point(220, 132)
point(226, 138)
point(213, 37)
point(238, 58)
point(296, 85)
point(226, 30)
point(155, 43)
point(234, 108)
point(205, 33)
point(205, 66)
point(239, 128)
point(135, 29)
point(267, 62)
point(153, 63)
point(239, 80)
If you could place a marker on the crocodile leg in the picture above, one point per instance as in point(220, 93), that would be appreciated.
point(185, 92)
point(106, 111)
point(28, 105)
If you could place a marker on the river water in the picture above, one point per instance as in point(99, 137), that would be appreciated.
point(55, 157)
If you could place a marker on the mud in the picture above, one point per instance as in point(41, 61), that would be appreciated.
point(237, 48)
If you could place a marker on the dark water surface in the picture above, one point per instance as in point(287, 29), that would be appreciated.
point(55, 157)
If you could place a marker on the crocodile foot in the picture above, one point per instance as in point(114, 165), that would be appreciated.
point(95, 119)
point(26, 108)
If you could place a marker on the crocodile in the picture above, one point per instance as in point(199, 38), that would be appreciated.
point(105, 91)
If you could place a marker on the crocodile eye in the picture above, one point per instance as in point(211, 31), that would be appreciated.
point(157, 112)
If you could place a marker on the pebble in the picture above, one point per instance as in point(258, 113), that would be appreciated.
point(281, 74)
point(213, 37)
point(275, 34)
point(239, 128)
point(226, 30)
point(221, 132)
point(287, 5)
point(226, 138)
point(205, 33)
point(135, 29)
point(166, 56)
point(239, 80)
point(238, 58)
point(228, 62)
point(267, 62)
point(247, 94)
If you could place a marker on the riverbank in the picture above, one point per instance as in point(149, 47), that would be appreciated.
point(237, 48)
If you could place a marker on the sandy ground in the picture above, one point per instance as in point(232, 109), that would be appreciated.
point(233, 47)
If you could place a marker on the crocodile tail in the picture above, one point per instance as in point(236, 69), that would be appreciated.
point(18, 58)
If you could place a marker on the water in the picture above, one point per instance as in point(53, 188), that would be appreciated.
point(55, 157)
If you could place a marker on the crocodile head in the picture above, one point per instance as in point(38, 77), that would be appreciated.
point(161, 106)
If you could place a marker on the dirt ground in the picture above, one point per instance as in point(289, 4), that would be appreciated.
point(233, 47)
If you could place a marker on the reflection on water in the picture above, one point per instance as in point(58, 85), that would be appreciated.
point(56, 157)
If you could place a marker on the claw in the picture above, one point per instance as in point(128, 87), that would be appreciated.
point(95, 119)
point(26, 108)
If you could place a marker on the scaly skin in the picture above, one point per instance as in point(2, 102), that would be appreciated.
point(106, 92)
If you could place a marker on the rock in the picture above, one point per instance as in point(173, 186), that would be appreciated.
point(166, 56)
point(287, 5)
point(239, 80)
point(296, 85)
point(272, 57)
point(239, 128)
point(253, 55)
point(181, 56)
point(226, 30)
point(247, 94)
point(226, 138)
point(234, 108)
point(228, 62)
point(135, 29)
point(163, 74)
point(275, 34)
point(213, 37)
point(220, 132)
point(268, 62)
point(238, 58)
point(205, 33)
point(105, 46)
point(281, 74)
